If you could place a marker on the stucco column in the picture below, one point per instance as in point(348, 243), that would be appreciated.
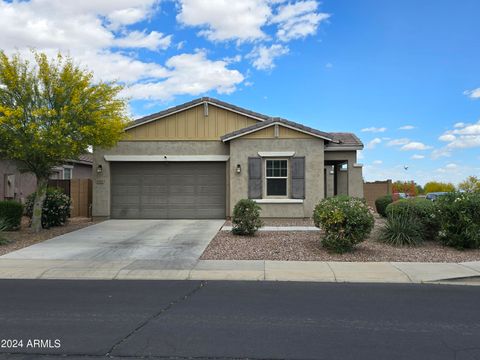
point(101, 186)
point(355, 180)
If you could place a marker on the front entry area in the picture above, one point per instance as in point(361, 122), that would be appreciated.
point(168, 190)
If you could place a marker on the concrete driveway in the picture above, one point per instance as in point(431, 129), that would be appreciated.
point(174, 244)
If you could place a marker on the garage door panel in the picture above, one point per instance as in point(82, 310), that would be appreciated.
point(154, 200)
point(168, 190)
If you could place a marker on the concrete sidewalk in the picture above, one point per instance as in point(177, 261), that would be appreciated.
point(317, 271)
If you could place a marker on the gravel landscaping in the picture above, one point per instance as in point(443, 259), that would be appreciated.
point(305, 246)
point(282, 222)
point(25, 237)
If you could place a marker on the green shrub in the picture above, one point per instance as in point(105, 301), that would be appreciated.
point(381, 204)
point(246, 217)
point(4, 226)
point(402, 228)
point(11, 211)
point(56, 208)
point(422, 211)
point(459, 218)
point(346, 221)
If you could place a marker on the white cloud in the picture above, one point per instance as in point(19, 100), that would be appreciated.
point(473, 94)
point(415, 145)
point(465, 141)
point(263, 57)
point(406, 127)
point(62, 25)
point(447, 137)
point(139, 39)
point(442, 152)
point(468, 129)
point(94, 34)
point(374, 129)
point(462, 136)
point(451, 166)
point(192, 74)
point(398, 142)
point(242, 21)
point(377, 162)
point(226, 20)
point(298, 20)
point(328, 65)
point(417, 157)
point(373, 143)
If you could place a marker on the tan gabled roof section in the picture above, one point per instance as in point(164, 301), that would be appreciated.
point(277, 121)
point(196, 102)
point(242, 123)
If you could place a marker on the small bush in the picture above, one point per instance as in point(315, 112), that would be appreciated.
point(11, 211)
point(346, 221)
point(459, 219)
point(4, 226)
point(56, 208)
point(246, 217)
point(422, 211)
point(381, 204)
point(402, 228)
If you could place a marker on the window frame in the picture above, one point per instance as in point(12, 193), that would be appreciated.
point(265, 180)
point(70, 168)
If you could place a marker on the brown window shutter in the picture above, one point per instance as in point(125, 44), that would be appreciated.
point(298, 177)
point(254, 177)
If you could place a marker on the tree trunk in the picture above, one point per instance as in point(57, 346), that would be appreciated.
point(40, 195)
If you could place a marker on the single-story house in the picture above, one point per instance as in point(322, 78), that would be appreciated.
point(196, 160)
point(17, 185)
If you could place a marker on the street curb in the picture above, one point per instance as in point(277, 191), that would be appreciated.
point(252, 270)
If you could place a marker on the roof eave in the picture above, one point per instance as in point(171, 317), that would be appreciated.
point(229, 137)
point(196, 102)
point(344, 148)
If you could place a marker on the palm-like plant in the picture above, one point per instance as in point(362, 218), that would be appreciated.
point(4, 225)
point(402, 229)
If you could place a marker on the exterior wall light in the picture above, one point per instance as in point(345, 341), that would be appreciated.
point(99, 169)
point(238, 169)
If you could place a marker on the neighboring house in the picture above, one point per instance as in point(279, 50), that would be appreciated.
point(198, 159)
point(17, 185)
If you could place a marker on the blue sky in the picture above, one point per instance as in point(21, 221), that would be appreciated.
point(371, 67)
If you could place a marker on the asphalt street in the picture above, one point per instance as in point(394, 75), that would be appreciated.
point(237, 320)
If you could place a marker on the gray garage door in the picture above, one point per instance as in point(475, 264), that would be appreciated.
point(158, 190)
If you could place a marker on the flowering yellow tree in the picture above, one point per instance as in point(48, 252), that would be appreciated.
point(470, 184)
point(435, 186)
point(51, 111)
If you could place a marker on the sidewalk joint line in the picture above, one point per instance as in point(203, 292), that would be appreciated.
point(403, 272)
point(333, 272)
point(470, 268)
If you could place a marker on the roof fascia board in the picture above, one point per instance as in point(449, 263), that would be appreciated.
point(344, 148)
point(272, 124)
point(235, 111)
point(192, 106)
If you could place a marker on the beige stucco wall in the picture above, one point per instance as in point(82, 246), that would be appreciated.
point(330, 181)
point(342, 179)
point(241, 149)
point(101, 182)
point(191, 124)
